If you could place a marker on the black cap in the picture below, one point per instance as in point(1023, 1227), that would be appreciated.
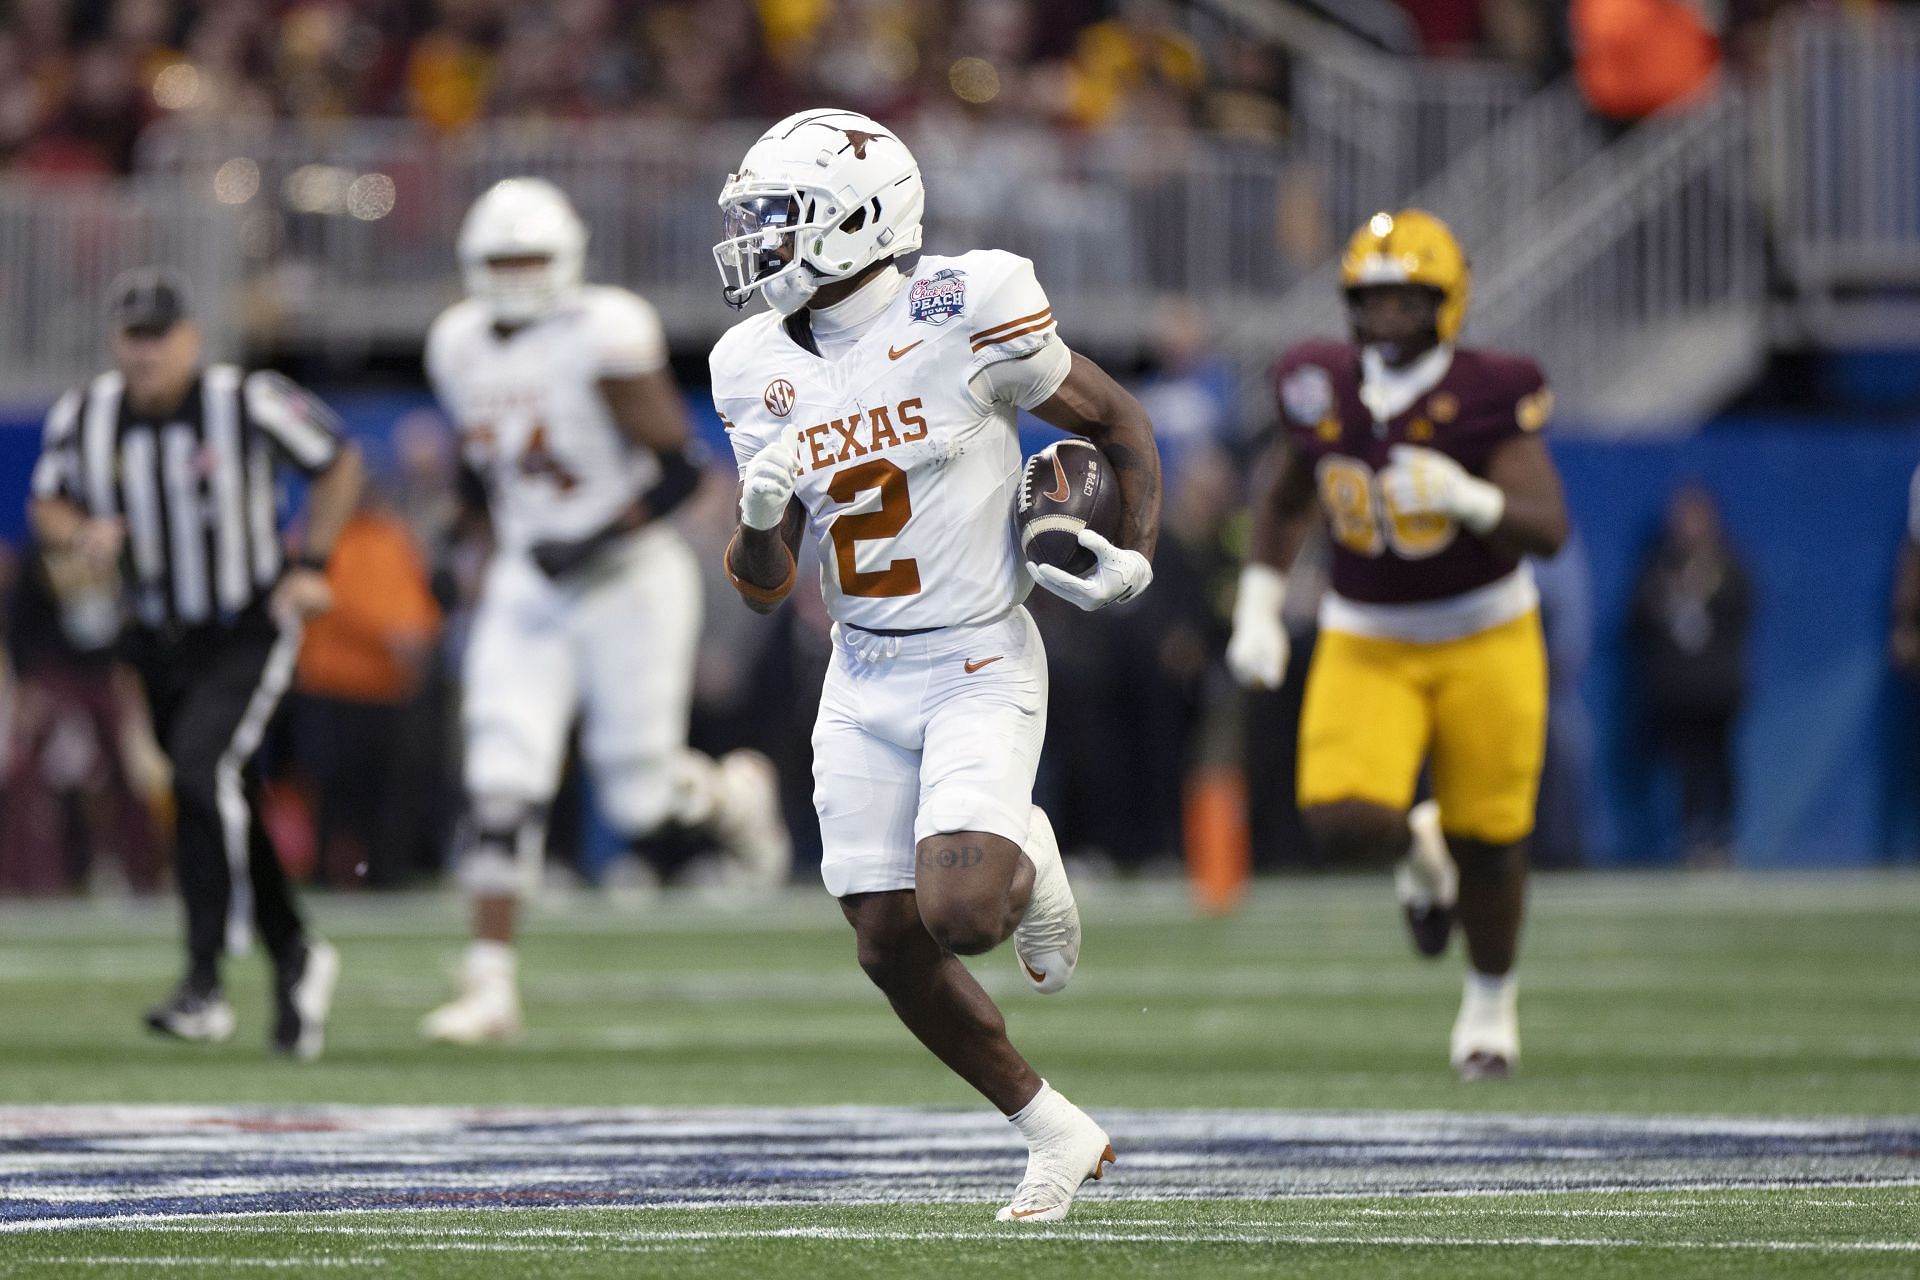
point(148, 300)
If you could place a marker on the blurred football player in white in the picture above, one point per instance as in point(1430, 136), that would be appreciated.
point(568, 413)
point(873, 407)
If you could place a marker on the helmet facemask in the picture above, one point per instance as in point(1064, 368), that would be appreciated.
point(522, 250)
point(520, 288)
point(760, 251)
point(821, 197)
point(1408, 335)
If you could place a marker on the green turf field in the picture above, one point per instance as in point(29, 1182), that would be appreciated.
point(1774, 998)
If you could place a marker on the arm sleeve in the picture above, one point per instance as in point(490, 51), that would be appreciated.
point(294, 419)
point(628, 339)
point(57, 473)
point(1018, 355)
point(1027, 380)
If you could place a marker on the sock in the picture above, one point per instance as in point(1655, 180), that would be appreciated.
point(490, 961)
point(203, 976)
point(292, 954)
point(1045, 1116)
point(1485, 988)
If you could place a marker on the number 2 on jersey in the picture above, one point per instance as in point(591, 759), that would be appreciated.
point(900, 577)
point(1365, 523)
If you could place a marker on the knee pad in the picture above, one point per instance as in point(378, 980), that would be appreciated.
point(503, 841)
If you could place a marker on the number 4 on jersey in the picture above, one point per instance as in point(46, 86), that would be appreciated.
point(539, 460)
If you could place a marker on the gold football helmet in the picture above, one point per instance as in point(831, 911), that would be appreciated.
point(1411, 247)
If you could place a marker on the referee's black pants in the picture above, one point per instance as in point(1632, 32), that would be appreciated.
point(211, 691)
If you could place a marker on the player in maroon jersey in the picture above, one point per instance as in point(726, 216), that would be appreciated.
point(1427, 461)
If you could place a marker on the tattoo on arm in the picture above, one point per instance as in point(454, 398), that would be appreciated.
point(954, 857)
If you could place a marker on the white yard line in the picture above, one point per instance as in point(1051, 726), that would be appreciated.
point(276, 1220)
point(210, 1263)
point(1028, 1235)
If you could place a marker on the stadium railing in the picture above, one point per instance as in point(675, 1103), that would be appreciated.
point(60, 247)
point(1639, 284)
point(1498, 180)
point(352, 226)
point(1636, 270)
point(1374, 125)
point(1841, 129)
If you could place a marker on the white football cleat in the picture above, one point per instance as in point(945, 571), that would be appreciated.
point(487, 1010)
point(301, 1028)
point(1486, 1035)
point(191, 1015)
point(747, 820)
point(1065, 1149)
point(1427, 882)
point(1047, 940)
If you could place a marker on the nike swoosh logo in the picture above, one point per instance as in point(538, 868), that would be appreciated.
point(1025, 1213)
point(1032, 972)
point(1059, 492)
point(973, 666)
point(894, 353)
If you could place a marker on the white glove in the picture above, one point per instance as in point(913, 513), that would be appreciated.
point(1257, 651)
point(1419, 482)
point(1118, 574)
point(766, 486)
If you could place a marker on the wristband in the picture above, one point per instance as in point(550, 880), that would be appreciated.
point(1263, 591)
point(753, 591)
point(1478, 504)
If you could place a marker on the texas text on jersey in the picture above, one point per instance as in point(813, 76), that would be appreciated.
point(532, 420)
point(906, 457)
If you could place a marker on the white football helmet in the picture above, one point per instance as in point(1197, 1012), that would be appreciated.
point(522, 218)
point(821, 196)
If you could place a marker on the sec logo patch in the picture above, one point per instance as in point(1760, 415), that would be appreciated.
point(779, 397)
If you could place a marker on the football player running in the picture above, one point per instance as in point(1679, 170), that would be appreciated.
point(591, 605)
point(874, 407)
point(1427, 461)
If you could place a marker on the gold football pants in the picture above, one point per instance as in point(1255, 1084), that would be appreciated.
point(1476, 707)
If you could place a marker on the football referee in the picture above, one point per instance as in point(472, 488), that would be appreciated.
point(163, 473)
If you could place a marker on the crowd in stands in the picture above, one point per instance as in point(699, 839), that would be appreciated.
point(80, 79)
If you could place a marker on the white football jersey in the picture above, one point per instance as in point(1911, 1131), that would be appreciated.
point(908, 459)
point(531, 417)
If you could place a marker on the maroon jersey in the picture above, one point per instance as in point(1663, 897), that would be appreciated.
point(1379, 555)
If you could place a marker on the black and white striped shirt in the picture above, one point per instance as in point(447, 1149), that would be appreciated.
point(196, 488)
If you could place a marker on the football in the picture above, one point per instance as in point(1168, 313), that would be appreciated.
point(1066, 487)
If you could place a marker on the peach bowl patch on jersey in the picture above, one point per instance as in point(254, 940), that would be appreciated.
point(938, 298)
